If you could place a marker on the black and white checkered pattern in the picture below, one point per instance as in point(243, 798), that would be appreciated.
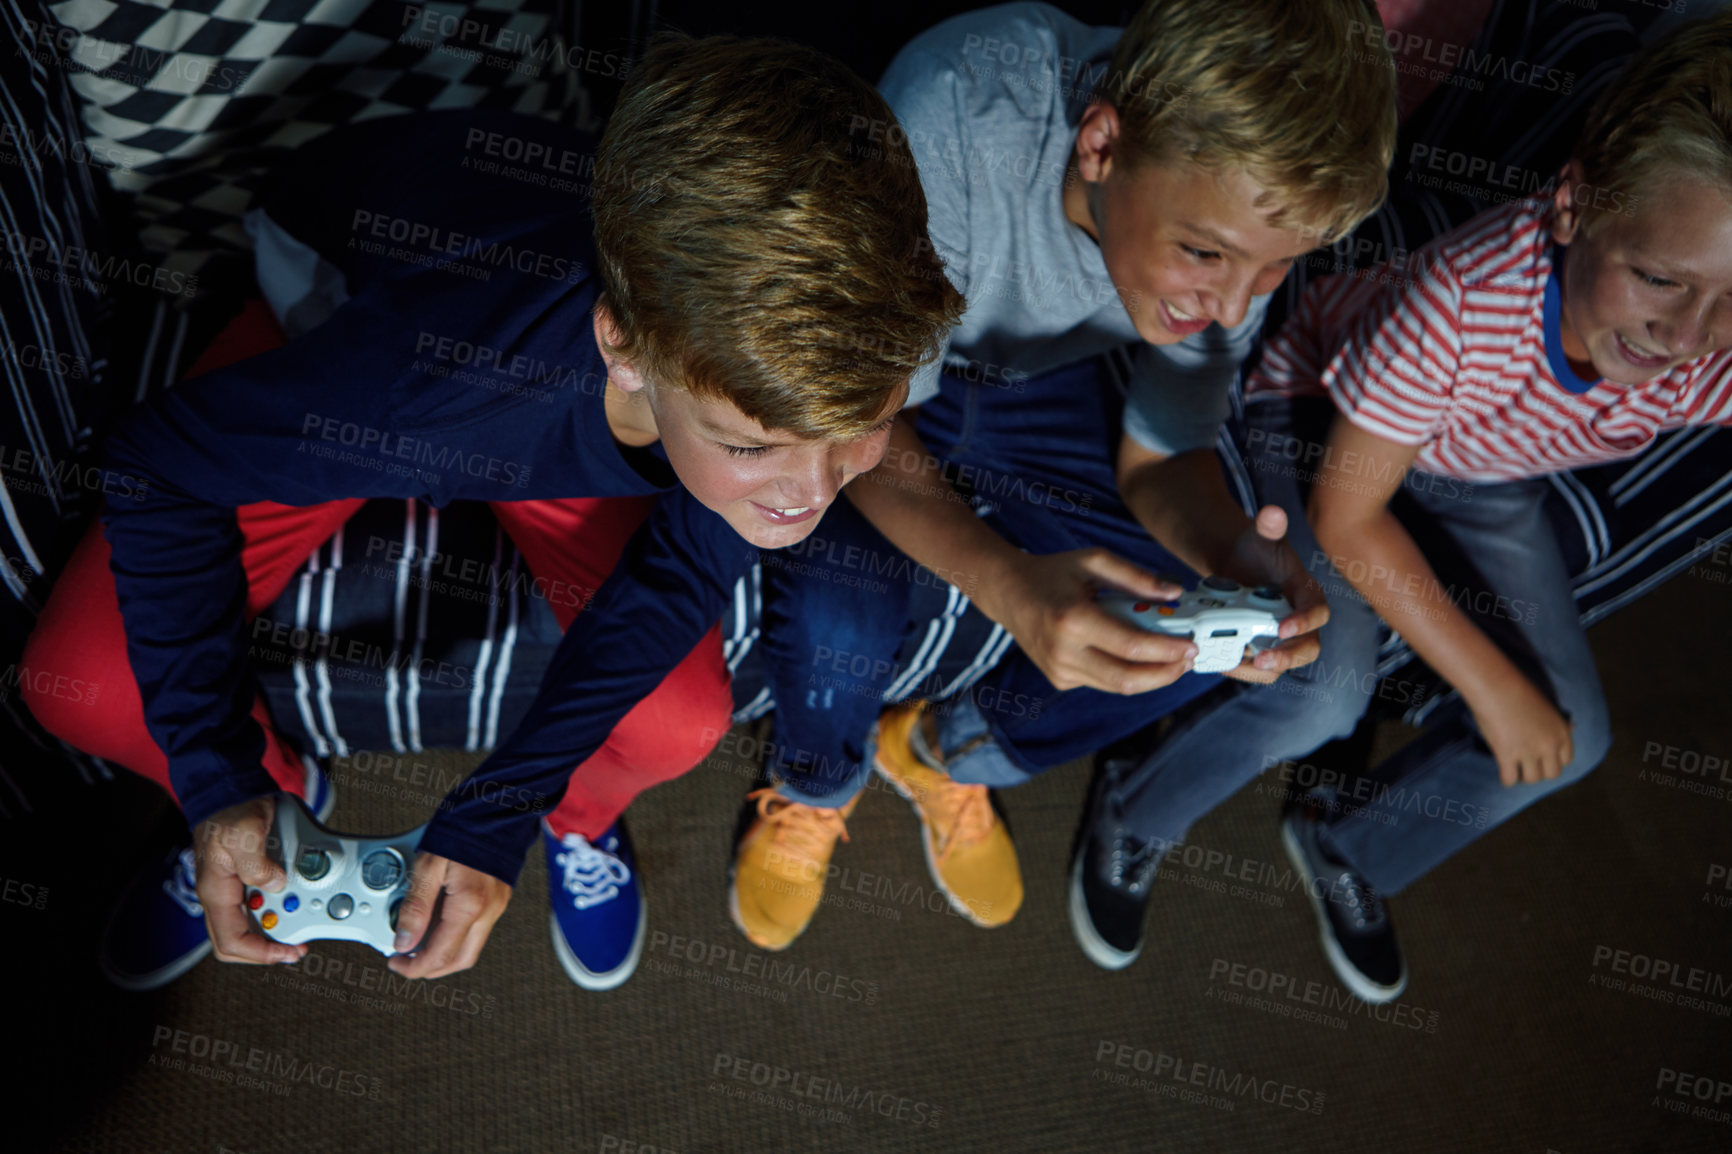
point(198, 98)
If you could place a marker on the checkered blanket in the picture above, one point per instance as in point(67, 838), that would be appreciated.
point(192, 101)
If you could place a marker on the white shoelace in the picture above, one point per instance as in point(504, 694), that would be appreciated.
point(179, 884)
point(592, 876)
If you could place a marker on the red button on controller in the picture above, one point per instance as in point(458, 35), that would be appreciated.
point(255, 900)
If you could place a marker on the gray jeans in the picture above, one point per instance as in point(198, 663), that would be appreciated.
point(1497, 559)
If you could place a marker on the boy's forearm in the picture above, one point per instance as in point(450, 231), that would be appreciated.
point(1380, 560)
point(1183, 502)
point(907, 499)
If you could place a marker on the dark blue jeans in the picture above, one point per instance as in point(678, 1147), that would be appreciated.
point(836, 608)
point(1036, 459)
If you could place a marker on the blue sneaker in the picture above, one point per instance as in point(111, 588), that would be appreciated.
point(157, 932)
point(598, 909)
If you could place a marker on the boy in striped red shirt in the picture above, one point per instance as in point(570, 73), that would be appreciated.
point(1546, 335)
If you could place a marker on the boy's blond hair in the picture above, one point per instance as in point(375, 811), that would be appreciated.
point(1670, 109)
point(749, 253)
point(1299, 93)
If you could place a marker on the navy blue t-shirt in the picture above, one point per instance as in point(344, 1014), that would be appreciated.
point(470, 289)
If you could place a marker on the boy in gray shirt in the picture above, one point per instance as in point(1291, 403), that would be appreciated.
point(1091, 192)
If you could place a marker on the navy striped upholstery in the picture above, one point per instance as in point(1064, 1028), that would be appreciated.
point(54, 361)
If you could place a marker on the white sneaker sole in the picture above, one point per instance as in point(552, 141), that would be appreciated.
point(134, 983)
point(1099, 950)
point(1357, 983)
point(588, 979)
point(156, 979)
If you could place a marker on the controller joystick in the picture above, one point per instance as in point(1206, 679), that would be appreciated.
point(1220, 615)
point(339, 888)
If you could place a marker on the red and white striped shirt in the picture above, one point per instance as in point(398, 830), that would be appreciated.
point(1448, 352)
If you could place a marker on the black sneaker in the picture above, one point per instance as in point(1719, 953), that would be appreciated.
point(1111, 874)
point(1354, 926)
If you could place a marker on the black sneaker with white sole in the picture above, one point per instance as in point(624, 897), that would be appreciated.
point(1357, 935)
point(1111, 875)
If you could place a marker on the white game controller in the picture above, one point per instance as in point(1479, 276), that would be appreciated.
point(1220, 615)
point(340, 888)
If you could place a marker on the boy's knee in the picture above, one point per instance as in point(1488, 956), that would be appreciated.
point(1339, 717)
point(1326, 699)
point(57, 687)
point(1591, 739)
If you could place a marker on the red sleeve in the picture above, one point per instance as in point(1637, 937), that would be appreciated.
point(1708, 401)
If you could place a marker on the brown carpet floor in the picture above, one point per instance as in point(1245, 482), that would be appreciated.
point(892, 1026)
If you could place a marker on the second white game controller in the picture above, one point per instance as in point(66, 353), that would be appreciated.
point(340, 888)
point(1220, 615)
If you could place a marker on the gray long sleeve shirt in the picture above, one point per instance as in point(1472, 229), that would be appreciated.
point(990, 102)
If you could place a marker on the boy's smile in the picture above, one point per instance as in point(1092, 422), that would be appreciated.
point(1648, 289)
point(1186, 246)
point(771, 485)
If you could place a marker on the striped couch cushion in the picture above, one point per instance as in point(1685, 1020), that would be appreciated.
point(54, 361)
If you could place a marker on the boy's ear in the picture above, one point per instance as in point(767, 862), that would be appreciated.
point(1097, 140)
point(607, 335)
point(1567, 217)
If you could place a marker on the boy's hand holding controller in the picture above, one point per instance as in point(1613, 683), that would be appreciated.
point(1045, 601)
point(234, 853)
point(1261, 556)
point(1053, 615)
point(1049, 607)
point(473, 902)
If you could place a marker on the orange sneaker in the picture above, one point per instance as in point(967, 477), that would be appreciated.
point(780, 866)
point(967, 848)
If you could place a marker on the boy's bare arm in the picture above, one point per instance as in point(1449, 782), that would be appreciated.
point(1350, 513)
point(1046, 602)
point(1182, 500)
